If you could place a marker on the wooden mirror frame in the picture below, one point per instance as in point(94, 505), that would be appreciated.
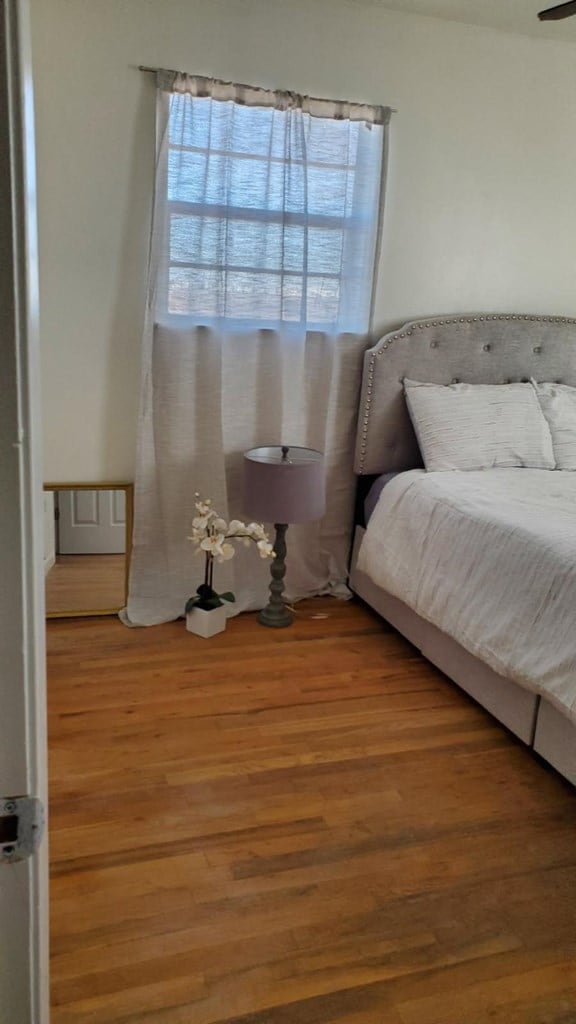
point(100, 485)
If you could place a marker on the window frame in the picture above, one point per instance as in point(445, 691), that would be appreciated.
point(225, 214)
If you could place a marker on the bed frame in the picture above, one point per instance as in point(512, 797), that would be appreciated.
point(477, 349)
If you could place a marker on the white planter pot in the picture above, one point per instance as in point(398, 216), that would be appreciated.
point(204, 623)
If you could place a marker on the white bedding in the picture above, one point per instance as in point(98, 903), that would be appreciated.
point(489, 558)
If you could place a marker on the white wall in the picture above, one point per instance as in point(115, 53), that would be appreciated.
point(480, 202)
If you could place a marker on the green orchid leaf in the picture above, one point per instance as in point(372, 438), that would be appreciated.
point(228, 596)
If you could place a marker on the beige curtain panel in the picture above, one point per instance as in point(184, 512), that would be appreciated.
point(262, 258)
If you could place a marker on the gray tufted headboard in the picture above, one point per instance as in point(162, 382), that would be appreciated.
point(476, 349)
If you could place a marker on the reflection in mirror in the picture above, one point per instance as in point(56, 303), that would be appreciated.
point(87, 537)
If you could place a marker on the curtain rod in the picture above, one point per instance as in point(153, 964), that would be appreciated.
point(153, 71)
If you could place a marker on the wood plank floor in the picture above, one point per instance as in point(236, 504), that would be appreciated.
point(85, 582)
point(304, 826)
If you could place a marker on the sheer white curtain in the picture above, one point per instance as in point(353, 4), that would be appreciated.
point(264, 239)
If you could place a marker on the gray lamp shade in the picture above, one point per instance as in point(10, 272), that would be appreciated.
point(284, 484)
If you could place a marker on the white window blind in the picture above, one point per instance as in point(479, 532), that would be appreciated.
point(272, 210)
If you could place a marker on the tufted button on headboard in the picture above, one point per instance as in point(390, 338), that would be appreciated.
point(476, 349)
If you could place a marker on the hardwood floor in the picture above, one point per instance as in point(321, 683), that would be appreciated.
point(86, 583)
point(303, 826)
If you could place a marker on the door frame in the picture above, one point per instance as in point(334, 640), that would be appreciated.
point(24, 991)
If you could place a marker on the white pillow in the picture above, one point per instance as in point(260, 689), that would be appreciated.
point(479, 426)
point(558, 403)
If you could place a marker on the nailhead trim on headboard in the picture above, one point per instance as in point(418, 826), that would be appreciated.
point(377, 352)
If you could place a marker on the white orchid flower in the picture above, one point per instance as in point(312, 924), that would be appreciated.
point(201, 522)
point(238, 528)
point(210, 533)
point(227, 552)
point(257, 531)
point(204, 507)
point(213, 544)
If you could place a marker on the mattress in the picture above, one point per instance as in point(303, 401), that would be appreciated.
point(374, 493)
point(490, 559)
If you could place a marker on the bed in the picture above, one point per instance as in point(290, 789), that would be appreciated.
point(530, 688)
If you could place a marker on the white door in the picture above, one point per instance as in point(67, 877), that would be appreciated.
point(23, 882)
point(91, 522)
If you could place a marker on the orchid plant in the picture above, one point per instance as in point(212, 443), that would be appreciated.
point(212, 535)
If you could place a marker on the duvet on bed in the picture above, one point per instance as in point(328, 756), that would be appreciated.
point(489, 558)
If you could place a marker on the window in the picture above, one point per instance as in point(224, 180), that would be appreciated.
point(272, 214)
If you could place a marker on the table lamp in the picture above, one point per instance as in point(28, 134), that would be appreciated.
point(282, 484)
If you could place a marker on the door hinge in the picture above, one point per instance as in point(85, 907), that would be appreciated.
point(21, 827)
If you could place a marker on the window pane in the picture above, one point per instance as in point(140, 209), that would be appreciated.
point(258, 184)
point(197, 239)
point(323, 300)
point(213, 241)
point(249, 296)
point(194, 292)
point(325, 251)
point(246, 296)
point(199, 122)
point(257, 132)
point(328, 143)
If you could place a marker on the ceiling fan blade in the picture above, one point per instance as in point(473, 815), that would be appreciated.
point(558, 12)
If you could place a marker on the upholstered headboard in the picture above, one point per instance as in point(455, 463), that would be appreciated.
point(476, 349)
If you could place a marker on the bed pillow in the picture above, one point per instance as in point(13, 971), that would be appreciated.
point(558, 403)
point(479, 426)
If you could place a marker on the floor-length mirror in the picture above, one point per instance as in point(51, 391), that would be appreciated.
point(87, 541)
